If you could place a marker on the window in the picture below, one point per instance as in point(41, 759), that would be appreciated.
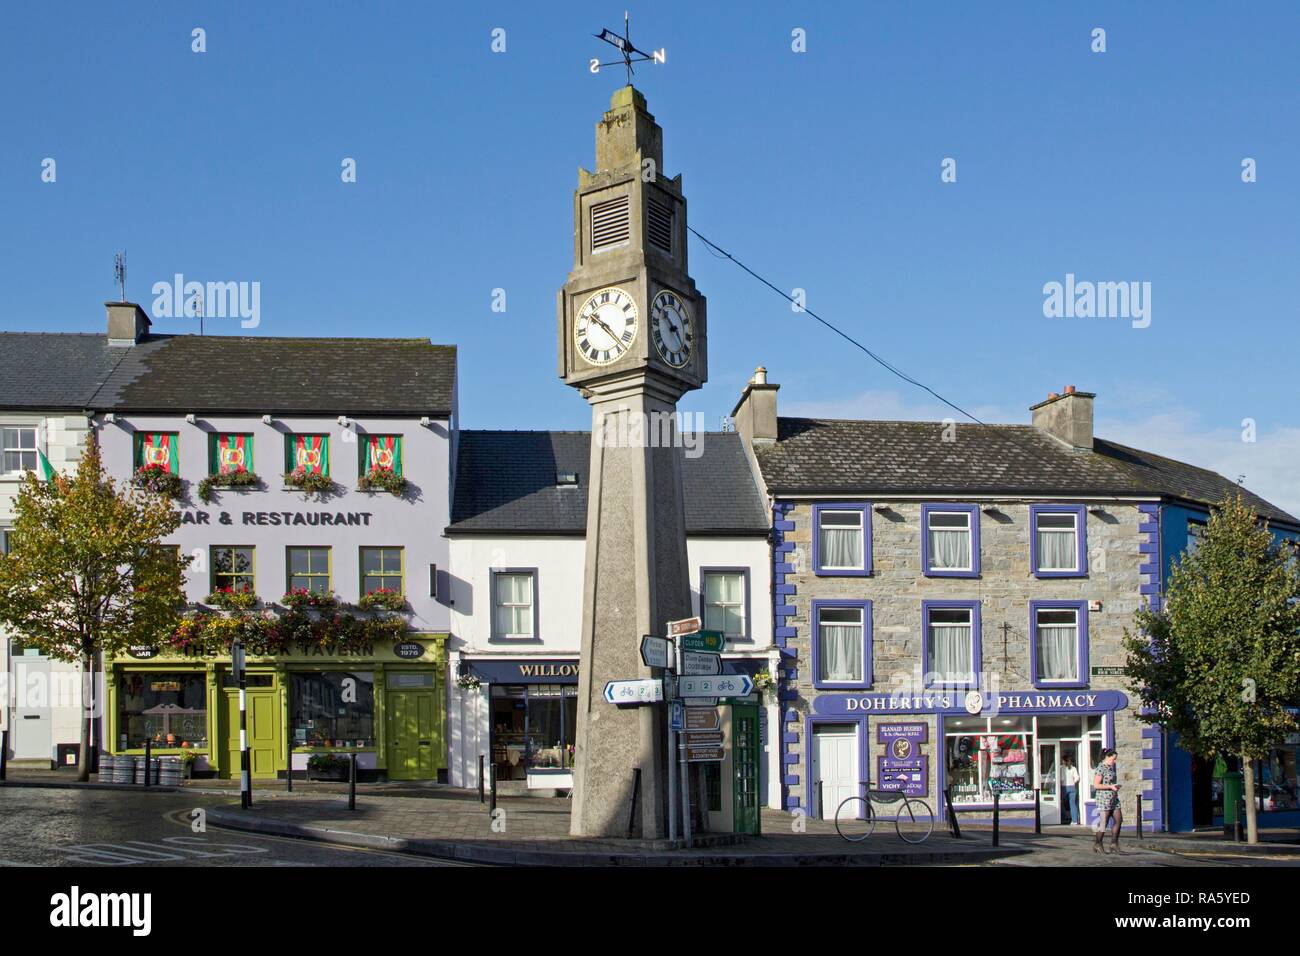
point(19, 449)
point(332, 709)
point(168, 708)
point(1060, 642)
point(157, 450)
point(1059, 544)
point(232, 568)
point(381, 453)
point(725, 601)
point(987, 756)
point(228, 454)
point(950, 540)
point(381, 568)
point(6, 540)
point(309, 454)
point(309, 569)
point(842, 650)
point(841, 539)
point(1195, 534)
point(952, 641)
point(514, 608)
point(533, 728)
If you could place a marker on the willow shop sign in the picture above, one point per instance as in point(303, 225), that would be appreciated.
point(337, 519)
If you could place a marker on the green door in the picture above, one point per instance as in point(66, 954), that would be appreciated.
point(264, 741)
point(412, 734)
point(745, 752)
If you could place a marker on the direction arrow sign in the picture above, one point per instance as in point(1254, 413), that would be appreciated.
point(726, 685)
point(654, 651)
point(704, 739)
point(687, 625)
point(701, 663)
point(711, 641)
point(643, 691)
point(703, 718)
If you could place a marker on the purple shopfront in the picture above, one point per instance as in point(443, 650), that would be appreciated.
point(977, 744)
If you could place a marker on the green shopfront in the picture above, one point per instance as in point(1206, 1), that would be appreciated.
point(384, 701)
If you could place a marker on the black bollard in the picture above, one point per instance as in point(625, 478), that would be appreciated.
point(997, 815)
point(952, 814)
point(352, 781)
point(148, 756)
point(1038, 811)
point(480, 778)
point(492, 780)
point(4, 753)
point(1138, 818)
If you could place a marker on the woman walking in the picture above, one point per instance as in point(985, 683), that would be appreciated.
point(1105, 783)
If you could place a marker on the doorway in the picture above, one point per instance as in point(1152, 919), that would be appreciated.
point(834, 767)
point(265, 744)
point(33, 727)
point(413, 737)
point(1049, 780)
point(744, 768)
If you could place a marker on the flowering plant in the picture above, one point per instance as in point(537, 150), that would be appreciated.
point(304, 597)
point(382, 479)
point(229, 479)
point(311, 482)
point(382, 599)
point(232, 599)
point(158, 479)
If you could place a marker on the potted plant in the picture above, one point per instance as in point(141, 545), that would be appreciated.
point(229, 479)
point(188, 757)
point(159, 480)
point(382, 599)
point(297, 598)
point(308, 482)
point(231, 599)
point(327, 767)
point(382, 479)
point(764, 683)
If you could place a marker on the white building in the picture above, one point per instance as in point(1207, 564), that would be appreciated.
point(517, 552)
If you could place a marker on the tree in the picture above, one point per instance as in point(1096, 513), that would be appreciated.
point(86, 575)
point(1220, 661)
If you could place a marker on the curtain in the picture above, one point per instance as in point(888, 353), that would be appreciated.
point(1057, 657)
point(1057, 551)
point(514, 609)
point(949, 548)
point(309, 452)
point(951, 651)
point(156, 448)
point(841, 652)
point(384, 452)
point(234, 453)
point(841, 547)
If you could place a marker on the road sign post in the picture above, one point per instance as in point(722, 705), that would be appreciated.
point(633, 692)
point(714, 642)
point(724, 685)
point(701, 664)
point(654, 651)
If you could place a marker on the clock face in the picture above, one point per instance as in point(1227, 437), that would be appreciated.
point(672, 328)
point(606, 326)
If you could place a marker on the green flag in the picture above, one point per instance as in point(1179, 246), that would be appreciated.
point(44, 470)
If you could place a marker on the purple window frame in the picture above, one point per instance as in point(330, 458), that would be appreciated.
point(977, 642)
point(865, 606)
point(1081, 608)
point(974, 512)
point(1081, 539)
point(864, 508)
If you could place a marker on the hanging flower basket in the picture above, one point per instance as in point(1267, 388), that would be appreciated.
point(159, 480)
point(382, 599)
point(468, 682)
point(230, 479)
point(764, 683)
point(382, 479)
point(308, 482)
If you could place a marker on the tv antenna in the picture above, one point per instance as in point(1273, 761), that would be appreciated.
point(624, 46)
point(198, 309)
point(119, 274)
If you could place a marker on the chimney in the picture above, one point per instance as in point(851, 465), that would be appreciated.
point(1067, 417)
point(127, 323)
point(755, 413)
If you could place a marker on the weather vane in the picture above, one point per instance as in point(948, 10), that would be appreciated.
point(119, 273)
point(624, 46)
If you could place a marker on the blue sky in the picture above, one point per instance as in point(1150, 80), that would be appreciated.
point(819, 169)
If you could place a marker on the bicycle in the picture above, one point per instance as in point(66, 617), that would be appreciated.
point(914, 820)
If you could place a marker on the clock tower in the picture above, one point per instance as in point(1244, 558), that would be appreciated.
point(632, 340)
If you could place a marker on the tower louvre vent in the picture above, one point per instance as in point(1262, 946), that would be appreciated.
point(659, 224)
point(609, 223)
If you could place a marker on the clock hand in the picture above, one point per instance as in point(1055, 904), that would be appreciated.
point(609, 331)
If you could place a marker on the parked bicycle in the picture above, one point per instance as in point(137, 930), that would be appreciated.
point(856, 817)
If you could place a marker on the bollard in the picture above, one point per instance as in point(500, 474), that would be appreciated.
point(148, 757)
point(1038, 811)
point(352, 781)
point(997, 813)
point(821, 808)
point(480, 778)
point(1138, 818)
point(4, 753)
point(952, 814)
point(492, 780)
point(1239, 831)
point(288, 762)
point(636, 793)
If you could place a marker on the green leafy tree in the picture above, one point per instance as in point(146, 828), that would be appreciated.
point(1220, 662)
point(86, 575)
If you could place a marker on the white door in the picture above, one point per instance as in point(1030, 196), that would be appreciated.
point(835, 767)
point(1049, 780)
point(32, 733)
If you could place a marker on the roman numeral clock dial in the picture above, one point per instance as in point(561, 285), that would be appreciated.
point(606, 326)
point(672, 328)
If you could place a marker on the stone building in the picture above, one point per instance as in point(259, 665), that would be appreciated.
point(950, 602)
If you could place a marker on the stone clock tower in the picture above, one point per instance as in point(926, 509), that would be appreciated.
point(632, 340)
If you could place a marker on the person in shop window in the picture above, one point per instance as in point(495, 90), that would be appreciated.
point(1070, 781)
point(1105, 783)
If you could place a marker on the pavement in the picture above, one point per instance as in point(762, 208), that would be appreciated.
point(435, 822)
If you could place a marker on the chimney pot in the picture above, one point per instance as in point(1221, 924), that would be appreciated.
point(1052, 396)
point(1069, 390)
point(760, 376)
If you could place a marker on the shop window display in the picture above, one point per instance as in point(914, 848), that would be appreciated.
point(333, 709)
point(168, 708)
point(532, 728)
point(987, 757)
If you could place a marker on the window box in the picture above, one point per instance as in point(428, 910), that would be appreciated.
point(232, 599)
point(1058, 643)
point(842, 539)
point(377, 479)
point(841, 644)
point(950, 643)
point(232, 480)
point(301, 598)
point(308, 482)
point(327, 767)
point(382, 599)
point(160, 481)
point(950, 541)
point(1058, 541)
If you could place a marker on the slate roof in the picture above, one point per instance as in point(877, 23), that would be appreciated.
point(506, 484)
point(255, 375)
point(54, 370)
point(832, 456)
